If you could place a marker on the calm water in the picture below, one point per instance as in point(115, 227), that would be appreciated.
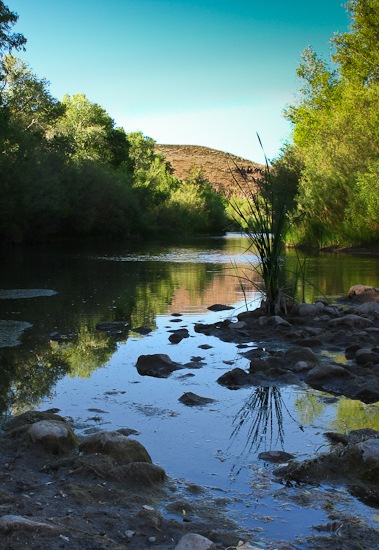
point(91, 376)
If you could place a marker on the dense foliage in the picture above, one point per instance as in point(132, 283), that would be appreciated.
point(67, 171)
point(335, 155)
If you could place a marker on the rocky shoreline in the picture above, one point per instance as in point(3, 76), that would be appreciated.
point(102, 491)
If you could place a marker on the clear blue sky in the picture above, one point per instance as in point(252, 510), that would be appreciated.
point(196, 72)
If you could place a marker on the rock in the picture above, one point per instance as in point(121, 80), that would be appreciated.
point(363, 293)
point(276, 456)
point(250, 315)
point(323, 372)
point(294, 355)
point(191, 399)
point(115, 327)
point(355, 464)
point(337, 438)
point(119, 447)
point(308, 310)
point(10, 523)
point(310, 342)
point(301, 366)
point(234, 379)
point(219, 307)
point(144, 473)
point(21, 422)
point(192, 541)
point(276, 321)
point(351, 350)
point(350, 320)
point(158, 365)
point(367, 393)
point(178, 335)
point(363, 356)
point(54, 436)
point(362, 434)
point(240, 325)
point(259, 365)
point(369, 308)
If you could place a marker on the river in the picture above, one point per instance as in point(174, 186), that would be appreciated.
point(52, 356)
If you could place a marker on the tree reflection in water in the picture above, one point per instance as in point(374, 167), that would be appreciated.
point(262, 414)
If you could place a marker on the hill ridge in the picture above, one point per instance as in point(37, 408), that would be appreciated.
point(219, 166)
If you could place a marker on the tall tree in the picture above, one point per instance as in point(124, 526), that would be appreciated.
point(336, 133)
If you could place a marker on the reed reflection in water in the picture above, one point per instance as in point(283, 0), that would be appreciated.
point(263, 416)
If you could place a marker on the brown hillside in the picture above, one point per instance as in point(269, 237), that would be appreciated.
point(219, 167)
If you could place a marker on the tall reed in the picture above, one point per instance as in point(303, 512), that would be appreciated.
point(263, 218)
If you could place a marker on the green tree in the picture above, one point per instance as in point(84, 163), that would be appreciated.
point(336, 134)
point(28, 99)
point(357, 51)
point(91, 132)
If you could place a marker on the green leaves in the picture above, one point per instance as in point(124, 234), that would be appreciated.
point(336, 133)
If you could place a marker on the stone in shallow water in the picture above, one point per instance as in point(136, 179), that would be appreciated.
point(158, 365)
point(192, 399)
point(219, 307)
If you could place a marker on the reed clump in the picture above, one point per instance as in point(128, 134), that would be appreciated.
point(262, 216)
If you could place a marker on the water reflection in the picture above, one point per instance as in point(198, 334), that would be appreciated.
point(261, 419)
point(69, 290)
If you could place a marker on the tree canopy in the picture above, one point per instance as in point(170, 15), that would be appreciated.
point(336, 136)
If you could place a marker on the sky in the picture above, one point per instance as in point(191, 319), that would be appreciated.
point(186, 72)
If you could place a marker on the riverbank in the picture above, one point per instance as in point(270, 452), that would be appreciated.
point(71, 502)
